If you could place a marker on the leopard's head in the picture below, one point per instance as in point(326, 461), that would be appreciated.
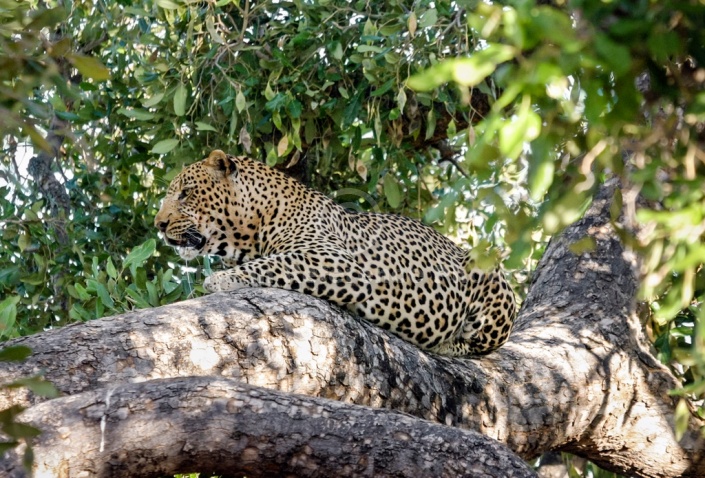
point(199, 214)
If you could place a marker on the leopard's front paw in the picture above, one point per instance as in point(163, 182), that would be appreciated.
point(222, 281)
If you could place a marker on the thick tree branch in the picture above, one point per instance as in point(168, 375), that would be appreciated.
point(221, 426)
point(574, 375)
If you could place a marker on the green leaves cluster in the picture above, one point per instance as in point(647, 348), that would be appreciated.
point(45, 283)
point(110, 290)
point(320, 84)
point(616, 91)
point(14, 431)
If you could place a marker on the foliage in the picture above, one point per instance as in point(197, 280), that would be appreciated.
point(494, 122)
point(316, 83)
point(11, 429)
point(620, 94)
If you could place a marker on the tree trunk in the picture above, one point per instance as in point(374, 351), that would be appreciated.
point(574, 376)
point(40, 168)
point(221, 426)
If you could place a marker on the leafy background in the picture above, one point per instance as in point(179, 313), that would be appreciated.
point(493, 122)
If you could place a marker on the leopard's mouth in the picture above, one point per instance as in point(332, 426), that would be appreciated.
point(190, 239)
point(191, 246)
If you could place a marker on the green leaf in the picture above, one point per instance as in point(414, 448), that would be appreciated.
point(153, 295)
point(90, 67)
point(80, 314)
point(581, 246)
point(392, 191)
point(310, 131)
point(541, 168)
point(37, 278)
point(154, 100)
point(201, 126)
point(28, 456)
point(137, 114)
point(268, 92)
point(64, 115)
point(370, 29)
point(176, 294)
point(430, 123)
point(615, 55)
point(180, 100)
point(464, 71)
point(283, 146)
point(213, 32)
point(277, 102)
point(141, 253)
point(169, 287)
point(137, 298)
point(164, 146)
point(23, 241)
point(7, 446)
point(140, 276)
point(272, 157)
point(566, 210)
point(520, 251)
point(168, 4)
point(21, 430)
point(452, 129)
point(15, 353)
point(428, 18)
point(351, 111)
point(401, 99)
point(240, 101)
point(102, 292)
point(166, 276)
point(384, 88)
point(8, 314)
point(369, 49)
point(82, 292)
point(45, 18)
point(525, 127)
point(9, 415)
point(664, 44)
point(110, 268)
point(37, 385)
point(682, 416)
point(295, 109)
point(336, 50)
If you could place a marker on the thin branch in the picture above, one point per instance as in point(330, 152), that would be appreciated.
point(449, 155)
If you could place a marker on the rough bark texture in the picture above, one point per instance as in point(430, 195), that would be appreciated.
point(574, 376)
point(221, 426)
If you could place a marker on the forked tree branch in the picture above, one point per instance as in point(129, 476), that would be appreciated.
point(575, 375)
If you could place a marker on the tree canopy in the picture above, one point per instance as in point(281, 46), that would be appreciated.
point(495, 122)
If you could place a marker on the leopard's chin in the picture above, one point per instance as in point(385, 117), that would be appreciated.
point(187, 253)
point(192, 245)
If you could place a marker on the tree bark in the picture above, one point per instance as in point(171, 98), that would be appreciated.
point(575, 375)
point(221, 426)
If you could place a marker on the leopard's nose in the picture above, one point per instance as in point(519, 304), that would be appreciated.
point(161, 225)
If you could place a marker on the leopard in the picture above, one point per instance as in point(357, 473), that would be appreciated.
point(271, 230)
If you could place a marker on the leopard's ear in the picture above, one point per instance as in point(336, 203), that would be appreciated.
point(222, 164)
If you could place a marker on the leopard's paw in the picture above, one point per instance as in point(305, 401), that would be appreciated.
point(222, 281)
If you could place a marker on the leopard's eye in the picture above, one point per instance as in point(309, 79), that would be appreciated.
point(184, 193)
